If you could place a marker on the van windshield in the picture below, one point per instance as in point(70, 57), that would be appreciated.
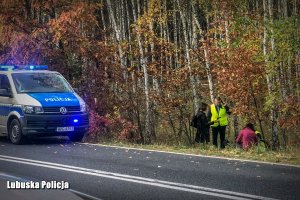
point(40, 83)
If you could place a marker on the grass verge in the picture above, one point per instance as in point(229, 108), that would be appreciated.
point(284, 156)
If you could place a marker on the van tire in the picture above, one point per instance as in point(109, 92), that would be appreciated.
point(15, 132)
point(76, 137)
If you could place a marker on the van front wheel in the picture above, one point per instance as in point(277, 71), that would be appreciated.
point(15, 132)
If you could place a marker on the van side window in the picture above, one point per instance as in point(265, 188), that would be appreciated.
point(4, 85)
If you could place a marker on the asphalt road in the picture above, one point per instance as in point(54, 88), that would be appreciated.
point(104, 172)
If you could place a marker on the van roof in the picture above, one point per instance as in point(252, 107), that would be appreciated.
point(22, 67)
point(26, 71)
point(8, 69)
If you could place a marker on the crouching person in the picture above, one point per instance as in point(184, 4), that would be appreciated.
point(247, 137)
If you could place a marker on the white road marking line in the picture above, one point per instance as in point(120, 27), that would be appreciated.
point(188, 154)
point(10, 177)
point(135, 179)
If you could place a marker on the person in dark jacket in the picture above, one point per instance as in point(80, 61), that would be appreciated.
point(202, 124)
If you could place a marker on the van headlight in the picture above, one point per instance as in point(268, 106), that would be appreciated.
point(83, 108)
point(33, 109)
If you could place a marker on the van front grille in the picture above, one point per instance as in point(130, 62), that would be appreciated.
point(56, 110)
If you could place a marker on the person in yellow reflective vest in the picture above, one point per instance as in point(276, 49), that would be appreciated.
point(217, 113)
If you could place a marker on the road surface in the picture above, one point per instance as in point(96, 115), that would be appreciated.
point(103, 172)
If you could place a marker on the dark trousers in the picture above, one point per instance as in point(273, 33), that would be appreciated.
point(198, 135)
point(202, 136)
point(215, 132)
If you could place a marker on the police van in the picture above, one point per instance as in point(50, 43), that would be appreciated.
point(37, 102)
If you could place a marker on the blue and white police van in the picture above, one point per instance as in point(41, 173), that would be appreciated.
point(37, 102)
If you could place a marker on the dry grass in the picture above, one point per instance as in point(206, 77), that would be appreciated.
point(286, 156)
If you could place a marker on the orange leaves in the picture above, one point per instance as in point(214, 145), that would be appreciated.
point(289, 108)
point(73, 24)
point(239, 77)
point(48, 28)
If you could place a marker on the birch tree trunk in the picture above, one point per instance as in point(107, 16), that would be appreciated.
point(175, 35)
point(274, 111)
point(206, 57)
point(188, 57)
point(117, 36)
point(265, 44)
point(274, 115)
point(208, 72)
point(154, 79)
point(143, 62)
point(226, 24)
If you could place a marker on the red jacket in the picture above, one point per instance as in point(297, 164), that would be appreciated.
point(246, 137)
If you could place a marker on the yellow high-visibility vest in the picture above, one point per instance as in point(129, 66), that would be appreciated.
point(222, 116)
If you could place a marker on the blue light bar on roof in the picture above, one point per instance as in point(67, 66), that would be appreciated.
point(6, 67)
point(22, 67)
point(36, 67)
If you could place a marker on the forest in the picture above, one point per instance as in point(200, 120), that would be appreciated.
point(144, 66)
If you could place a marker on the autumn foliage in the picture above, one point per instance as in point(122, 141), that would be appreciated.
point(144, 66)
